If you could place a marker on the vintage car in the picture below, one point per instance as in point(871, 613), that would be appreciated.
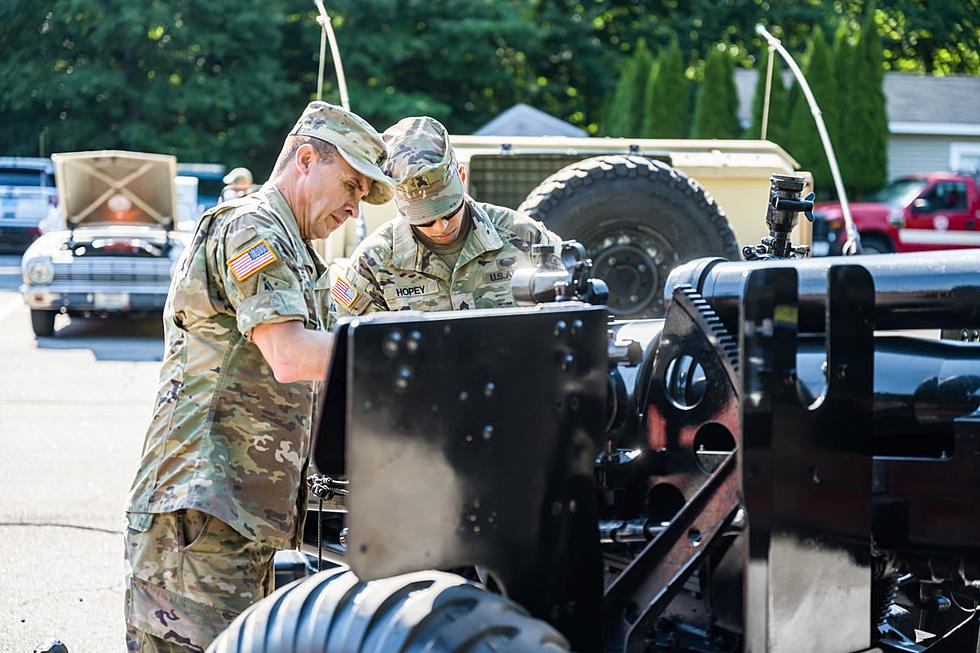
point(27, 195)
point(117, 242)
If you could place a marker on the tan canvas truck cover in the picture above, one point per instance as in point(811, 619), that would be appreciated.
point(116, 187)
point(504, 169)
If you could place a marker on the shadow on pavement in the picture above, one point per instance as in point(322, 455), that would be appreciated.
point(109, 339)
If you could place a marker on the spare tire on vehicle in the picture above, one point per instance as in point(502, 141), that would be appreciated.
point(427, 611)
point(638, 218)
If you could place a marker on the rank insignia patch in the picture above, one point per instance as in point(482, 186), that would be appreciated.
point(343, 293)
point(252, 260)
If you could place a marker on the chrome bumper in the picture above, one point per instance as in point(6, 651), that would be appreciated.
point(83, 297)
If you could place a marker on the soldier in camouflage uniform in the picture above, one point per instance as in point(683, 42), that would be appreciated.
point(444, 251)
point(220, 485)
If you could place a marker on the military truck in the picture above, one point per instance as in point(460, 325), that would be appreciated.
point(641, 207)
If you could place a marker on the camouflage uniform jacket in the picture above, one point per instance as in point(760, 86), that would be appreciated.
point(391, 271)
point(226, 438)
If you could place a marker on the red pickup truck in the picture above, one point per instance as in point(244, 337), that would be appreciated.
point(937, 210)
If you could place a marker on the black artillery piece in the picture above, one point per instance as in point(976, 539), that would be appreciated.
point(777, 465)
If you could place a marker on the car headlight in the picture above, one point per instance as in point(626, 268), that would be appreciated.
point(40, 271)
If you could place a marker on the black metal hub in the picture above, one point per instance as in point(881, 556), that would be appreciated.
point(634, 263)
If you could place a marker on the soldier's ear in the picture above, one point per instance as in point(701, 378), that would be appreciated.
point(305, 157)
point(462, 173)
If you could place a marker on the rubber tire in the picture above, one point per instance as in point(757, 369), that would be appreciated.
point(638, 197)
point(427, 611)
point(43, 323)
point(876, 244)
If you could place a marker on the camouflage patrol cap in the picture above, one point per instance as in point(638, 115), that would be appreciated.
point(356, 140)
point(243, 175)
point(424, 168)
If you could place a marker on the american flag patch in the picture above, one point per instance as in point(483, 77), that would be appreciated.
point(252, 260)
point(343, 293)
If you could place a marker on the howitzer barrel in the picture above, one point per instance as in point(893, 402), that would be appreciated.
point(922, 290)
point(920, 387)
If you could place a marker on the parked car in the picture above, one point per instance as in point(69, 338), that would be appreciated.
point(937, 210)
point(27, 194)
point(210, 181)
point(117, 244)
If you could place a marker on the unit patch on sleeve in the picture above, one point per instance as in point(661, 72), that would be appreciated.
point(252, 260)
point(343, 293)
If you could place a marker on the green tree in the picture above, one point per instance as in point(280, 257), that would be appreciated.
point(778, 124)
point(624, 114)
point(716, 107)
point(171, 77)
point(568, 73)
point(460, 61)
point(847, 149)
point(804, 138)
point(668, 93)
point(865, 127)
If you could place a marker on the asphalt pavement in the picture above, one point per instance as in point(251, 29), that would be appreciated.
point(73, 411)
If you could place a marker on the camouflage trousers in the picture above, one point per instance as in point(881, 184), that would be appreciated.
point(188, 575)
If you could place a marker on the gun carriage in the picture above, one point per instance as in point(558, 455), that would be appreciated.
point(777, 465)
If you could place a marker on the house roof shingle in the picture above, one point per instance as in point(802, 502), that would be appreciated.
point(911, 98)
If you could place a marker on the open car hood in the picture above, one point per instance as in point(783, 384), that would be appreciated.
point(115, 187)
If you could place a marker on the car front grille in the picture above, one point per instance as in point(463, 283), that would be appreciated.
point(114, 270)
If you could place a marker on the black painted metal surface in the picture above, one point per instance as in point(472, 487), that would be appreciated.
point(913, 291)
point(807, 469)
point(692, 388)
point(471, 438)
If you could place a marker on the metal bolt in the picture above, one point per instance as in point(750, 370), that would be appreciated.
point(463, 395)
point(612, 260)
point(842, 371)
point(367, 404)
point(560, 328)
point(694, 537)
point(488, 390)
point(414, 342)
point(487, 432)
point(577, 326)
point(815, 475)
point(567, 361)
point(392, 343)
point(402, 378)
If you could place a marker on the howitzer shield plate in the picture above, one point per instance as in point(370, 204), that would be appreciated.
point(470, 441)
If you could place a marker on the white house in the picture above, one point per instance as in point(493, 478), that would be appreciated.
point(934, 122)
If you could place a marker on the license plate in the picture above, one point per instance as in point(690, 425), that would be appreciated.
point(821, 248)
point(112, 301)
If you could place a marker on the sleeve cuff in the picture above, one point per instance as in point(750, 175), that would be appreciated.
point(270, 308)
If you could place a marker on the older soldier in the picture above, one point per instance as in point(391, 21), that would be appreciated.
point(221, 479)
point(444, 251)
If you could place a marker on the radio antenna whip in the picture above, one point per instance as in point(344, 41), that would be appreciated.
point(851, 242)
point(326, 33)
